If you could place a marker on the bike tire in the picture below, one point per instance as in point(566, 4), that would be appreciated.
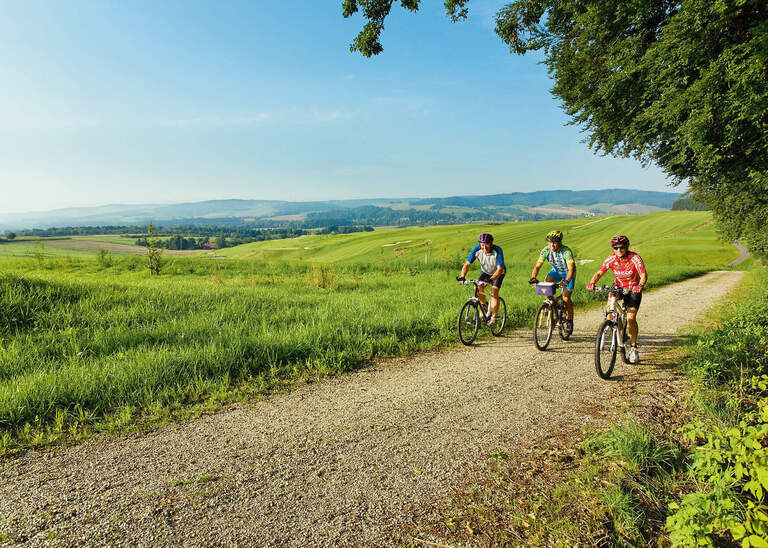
point(468, 323)
point(543, 324)
point(501, 319)
point(606, 347)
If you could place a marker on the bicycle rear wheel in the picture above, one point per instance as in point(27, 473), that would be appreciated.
point(543, 324)
point(564, 333)
point(469, 323)
point(605, 349)
point(501, 319)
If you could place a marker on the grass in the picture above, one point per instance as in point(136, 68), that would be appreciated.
point(89, 344)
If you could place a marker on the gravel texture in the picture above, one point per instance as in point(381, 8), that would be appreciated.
point(352, 460)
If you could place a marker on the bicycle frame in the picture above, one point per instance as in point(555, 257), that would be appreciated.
point(613, 326)
point(615, 311)
point(484, 314)
point(557, 306)
point(467, 319)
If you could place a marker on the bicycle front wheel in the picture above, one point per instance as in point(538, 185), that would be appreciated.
point(501, 319)
point(605, 349)
point(469, 322)
point(543, 324)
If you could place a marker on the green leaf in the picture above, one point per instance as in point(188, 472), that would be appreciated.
point(758, 542)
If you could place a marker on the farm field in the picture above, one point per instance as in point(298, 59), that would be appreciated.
point(86, 341)
point(61, 246)
point(680, 237)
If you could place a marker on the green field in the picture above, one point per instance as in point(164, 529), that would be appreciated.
point(84, 340)
point(663, 238)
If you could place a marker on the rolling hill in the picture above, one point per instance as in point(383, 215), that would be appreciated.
point(518, 206)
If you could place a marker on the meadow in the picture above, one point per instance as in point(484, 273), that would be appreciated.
point(94, 340)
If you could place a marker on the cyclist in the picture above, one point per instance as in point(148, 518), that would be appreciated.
point(629, 273)
point(563, 271)
point(491, 260)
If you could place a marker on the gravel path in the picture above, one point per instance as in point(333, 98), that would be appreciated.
point(742, 257)
point(347, 461)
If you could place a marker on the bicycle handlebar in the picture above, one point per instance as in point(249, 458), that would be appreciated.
point(612, 288)
point(471, 282)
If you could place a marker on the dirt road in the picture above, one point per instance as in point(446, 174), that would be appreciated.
point(347, 461)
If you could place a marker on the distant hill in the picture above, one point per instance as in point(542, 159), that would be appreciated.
point(616, 196)
point(516, 206)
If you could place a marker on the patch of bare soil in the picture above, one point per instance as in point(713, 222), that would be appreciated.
point(363, 459)
point(118, 249)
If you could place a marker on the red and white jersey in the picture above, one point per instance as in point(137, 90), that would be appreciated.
point(626, 271)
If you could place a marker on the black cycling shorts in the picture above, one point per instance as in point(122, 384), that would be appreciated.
point(487, 278)
point(632, 300)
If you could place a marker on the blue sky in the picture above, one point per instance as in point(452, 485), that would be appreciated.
point(160, 102)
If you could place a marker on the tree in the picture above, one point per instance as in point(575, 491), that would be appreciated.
point(688, 204)
point(153, 251)
point(679, 83)
point(10, 236)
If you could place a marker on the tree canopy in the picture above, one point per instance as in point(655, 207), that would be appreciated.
point(681, 84)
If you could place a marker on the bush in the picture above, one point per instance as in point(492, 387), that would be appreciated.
point(729, 462)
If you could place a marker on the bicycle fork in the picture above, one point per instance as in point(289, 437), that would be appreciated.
point(544, 319)
point(617, 333)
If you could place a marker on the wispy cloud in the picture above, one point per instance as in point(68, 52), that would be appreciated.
point(290, 115)
point(220, 121)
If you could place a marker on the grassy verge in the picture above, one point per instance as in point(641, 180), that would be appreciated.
point(693, 471)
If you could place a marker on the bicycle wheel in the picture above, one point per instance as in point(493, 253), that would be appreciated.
point(605, 349)
point(564, 334)
point(501, 319)
point(624, 351)
point(543, 324)
point(469, 322)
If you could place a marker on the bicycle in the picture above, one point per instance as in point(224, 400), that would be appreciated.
point(550, 313)
point(612, 333)
point(473, 311)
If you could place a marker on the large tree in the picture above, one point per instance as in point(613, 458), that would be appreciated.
point(682, 84)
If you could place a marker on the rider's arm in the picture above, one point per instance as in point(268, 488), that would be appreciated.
point(465, 269)
point(568, 255)
point(640, 269)
point(536, 268)
point(571, 271)
point(499, 263)
point(600, 271)
point(470, 259)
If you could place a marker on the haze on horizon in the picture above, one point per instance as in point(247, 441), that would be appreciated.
point(148, 103)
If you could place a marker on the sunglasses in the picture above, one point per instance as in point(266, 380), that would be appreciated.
point(620, 247)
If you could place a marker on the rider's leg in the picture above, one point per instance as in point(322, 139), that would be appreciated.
point(632, 325)
point(568, 303)
point(494, 301)
point(481, 294)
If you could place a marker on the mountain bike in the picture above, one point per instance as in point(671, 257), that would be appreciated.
point(550, 313)
point(473, 311)
point(612, 333)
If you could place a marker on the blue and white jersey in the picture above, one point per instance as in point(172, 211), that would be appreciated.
point(488, 261)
